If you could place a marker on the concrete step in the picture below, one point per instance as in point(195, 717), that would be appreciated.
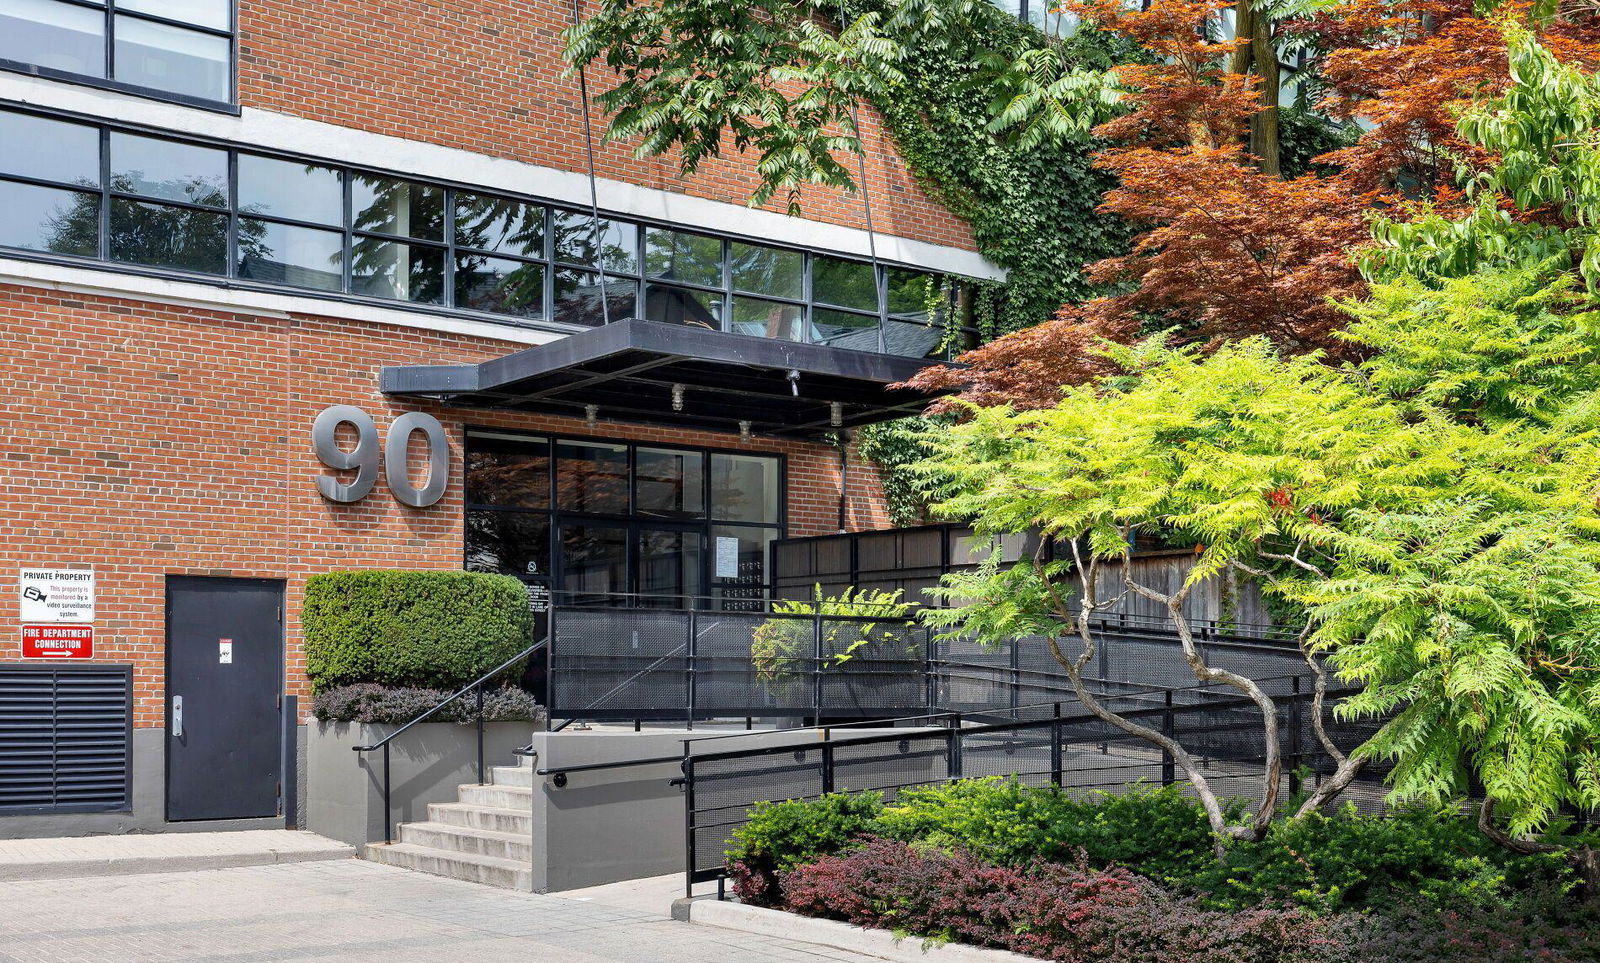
point(512, 776)
point(512, 821)
point(488, 870)
point(464, 839)
point(497, 797)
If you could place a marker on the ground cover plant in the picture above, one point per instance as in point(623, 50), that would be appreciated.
point(1133, 877)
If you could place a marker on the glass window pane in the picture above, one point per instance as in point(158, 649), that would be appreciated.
point(49, 219)
point(173, 59)
point(302, 257)
point(768, 319)
point(499, 286)
point(508, 470)
point(386, 205)
point(702, 309)
point(59, 36)
point(744, 488)
point(841, 329)
point(575, 242)
point(592, 477)
point(577, 297)
point(391, 269)
point(48, 149)
point(290, 189)
point(739, 562)
point(908, 293)
point(490, 223)
point(594, 562)
point(767, 270)
point(849, 284)
point(912, 340)
point(203, 13)
point(172, 237)
point(670, 484)
point(509, 543)
point(169, 170)
point(688, 258)
point(670, 567)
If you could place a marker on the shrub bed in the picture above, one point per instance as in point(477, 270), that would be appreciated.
point(376, 704)
point(1135, 877)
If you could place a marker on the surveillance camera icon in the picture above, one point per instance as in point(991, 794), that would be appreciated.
point(32, 594)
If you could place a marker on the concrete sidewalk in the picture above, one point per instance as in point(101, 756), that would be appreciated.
point(349, 911)
point(67, 858)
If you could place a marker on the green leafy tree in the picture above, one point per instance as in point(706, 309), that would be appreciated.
point(1433, 510)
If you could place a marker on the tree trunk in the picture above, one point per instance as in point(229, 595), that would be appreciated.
point(1258, 56)
point(1264, 125)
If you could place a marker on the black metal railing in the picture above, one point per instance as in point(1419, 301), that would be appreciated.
point(1068, 748)
point(476, 687)
point(625, 662)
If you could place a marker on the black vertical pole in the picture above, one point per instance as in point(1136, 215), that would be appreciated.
point(688, 820)
point(479, 691)
point(1169, 766)
point(1295, 747)
point(1055, 748)
point(827, 760)
point(689, 665)
point(816, 663)
point(388, 821)
point(953, 747)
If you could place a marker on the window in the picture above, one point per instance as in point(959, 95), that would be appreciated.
point(171, 204)
point(176, 49)
point(616, 523)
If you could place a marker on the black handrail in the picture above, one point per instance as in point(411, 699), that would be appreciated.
point(474, 686)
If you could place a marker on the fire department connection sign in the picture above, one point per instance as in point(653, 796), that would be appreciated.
point(57, 595)
point(58, 641)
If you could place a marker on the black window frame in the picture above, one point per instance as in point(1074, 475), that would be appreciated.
point(639, 282)
point(110, 82)
point(556, 516)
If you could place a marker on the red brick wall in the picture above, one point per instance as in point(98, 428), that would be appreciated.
point(485, 76)
point(153, 440)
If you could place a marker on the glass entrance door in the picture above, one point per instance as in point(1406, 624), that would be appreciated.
point(592, 562)
point(671, 566)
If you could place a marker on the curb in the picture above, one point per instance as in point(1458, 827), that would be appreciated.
point(81, 867)
point(882, 944)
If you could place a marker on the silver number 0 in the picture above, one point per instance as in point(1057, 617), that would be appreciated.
point(363, 458)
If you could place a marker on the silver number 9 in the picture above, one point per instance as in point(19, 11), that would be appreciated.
point(363, 458)
point(395, 452)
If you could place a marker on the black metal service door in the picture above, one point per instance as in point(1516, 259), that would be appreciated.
point(224, 679)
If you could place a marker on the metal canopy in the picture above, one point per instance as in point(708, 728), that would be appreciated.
point(628, 370)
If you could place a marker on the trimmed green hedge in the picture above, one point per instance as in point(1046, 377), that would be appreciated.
point(432, 629)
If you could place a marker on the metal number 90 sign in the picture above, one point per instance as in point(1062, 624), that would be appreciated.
point(363, 458)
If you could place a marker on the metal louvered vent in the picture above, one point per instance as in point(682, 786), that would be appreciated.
point(65, 738)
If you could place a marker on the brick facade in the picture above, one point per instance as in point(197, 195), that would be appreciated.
point(154, 440)
point(486, 76)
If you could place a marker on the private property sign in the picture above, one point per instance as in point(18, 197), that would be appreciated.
point(57, 595)
point(58, 641)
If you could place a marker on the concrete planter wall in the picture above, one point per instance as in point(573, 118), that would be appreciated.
point(344, 789)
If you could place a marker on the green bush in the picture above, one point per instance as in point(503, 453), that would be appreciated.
point(781, 836)
point(1154, 832)
point(1324, 864)
point(1348, 860)
point(436, 630)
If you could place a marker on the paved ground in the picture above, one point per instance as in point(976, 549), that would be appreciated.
point(347, 910)
point(33, 859)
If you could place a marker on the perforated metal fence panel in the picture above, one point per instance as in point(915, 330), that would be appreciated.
point(65, 738)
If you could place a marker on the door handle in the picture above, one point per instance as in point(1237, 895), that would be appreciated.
point(177, 716)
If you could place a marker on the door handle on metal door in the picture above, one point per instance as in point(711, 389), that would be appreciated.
point(177, 716)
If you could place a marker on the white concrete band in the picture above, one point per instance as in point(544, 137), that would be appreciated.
point(265, 129)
